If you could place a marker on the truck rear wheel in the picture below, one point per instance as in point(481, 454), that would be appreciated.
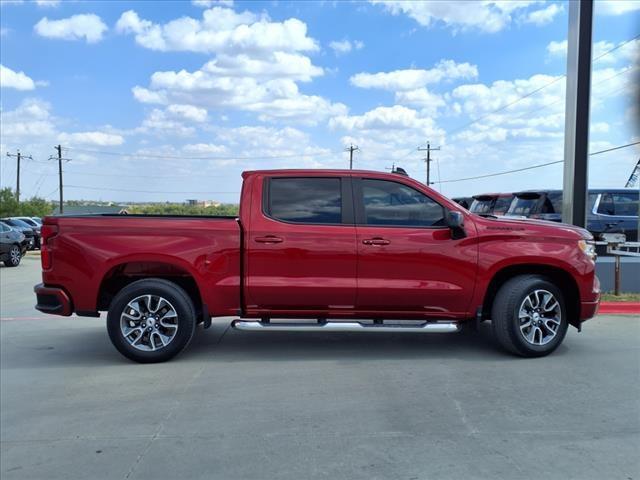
point(529, 317)
point(151, 320)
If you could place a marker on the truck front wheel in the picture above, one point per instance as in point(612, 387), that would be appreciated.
point(529, 317)
point(151, 320)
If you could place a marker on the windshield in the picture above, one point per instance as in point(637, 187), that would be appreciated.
point(522, 206)
point(482, 206)
point(502, 205)
point(16, 223)
point(28, 221)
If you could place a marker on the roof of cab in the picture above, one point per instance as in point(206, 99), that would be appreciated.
point(317, 171)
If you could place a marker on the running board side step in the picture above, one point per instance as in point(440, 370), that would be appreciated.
point(256, 326)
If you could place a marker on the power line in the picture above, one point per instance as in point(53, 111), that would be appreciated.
point(184, 157)
point(615, 148)
point(540, 165)
point(149, 191)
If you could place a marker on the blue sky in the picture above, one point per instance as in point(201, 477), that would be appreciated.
point(158, 101)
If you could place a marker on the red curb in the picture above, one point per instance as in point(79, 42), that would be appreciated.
point(620, 308)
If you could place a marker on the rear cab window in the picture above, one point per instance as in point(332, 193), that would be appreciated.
point(307, 200)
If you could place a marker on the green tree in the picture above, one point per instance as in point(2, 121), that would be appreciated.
point(32, 207)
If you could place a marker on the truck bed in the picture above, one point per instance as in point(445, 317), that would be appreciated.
point(90, 251)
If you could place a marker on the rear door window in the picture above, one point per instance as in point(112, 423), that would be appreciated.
point(305, 200)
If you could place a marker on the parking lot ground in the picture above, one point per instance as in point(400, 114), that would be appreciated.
point(311, 406)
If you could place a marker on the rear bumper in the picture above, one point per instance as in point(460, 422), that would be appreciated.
point(53, 300)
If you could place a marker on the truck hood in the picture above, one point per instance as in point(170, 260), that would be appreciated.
point(549, 228)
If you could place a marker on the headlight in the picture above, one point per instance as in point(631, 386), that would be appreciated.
point(589, 249)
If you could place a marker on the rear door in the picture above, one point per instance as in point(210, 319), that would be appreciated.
point(407, 261)
point(301, 252)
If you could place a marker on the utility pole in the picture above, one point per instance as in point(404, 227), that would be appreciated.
point(352, 148)
point(576, 123)
point(427, 160)
point(18, 156)
point(60, 159)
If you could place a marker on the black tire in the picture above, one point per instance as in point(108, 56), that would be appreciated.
point(15, 255)
point(176, 296)
point(505, 321)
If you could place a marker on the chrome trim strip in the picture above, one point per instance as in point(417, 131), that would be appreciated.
point(256, 326)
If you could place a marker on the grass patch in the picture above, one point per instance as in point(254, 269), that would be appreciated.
point(623, 297)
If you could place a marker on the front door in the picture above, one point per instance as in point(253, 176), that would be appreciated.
point(408, 262)
point(301, 251)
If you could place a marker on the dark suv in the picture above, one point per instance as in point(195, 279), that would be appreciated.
point(491, 203)
point(610, 209)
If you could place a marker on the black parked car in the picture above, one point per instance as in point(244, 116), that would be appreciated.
point(610, 210)
point(26, 229)
point(12, 245)
point(33, 224)
point(463, 201)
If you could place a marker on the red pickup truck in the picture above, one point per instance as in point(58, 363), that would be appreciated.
point(337, 250)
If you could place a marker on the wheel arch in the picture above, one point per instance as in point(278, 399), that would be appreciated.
point(560, 277)
point(128, 271)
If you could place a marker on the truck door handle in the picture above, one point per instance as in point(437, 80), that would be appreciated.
point(269, 239)
point(376, 241)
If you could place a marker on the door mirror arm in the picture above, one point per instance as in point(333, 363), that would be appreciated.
point(455, 221)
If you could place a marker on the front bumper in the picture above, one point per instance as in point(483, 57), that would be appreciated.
point(589, 307)
point(53, 300)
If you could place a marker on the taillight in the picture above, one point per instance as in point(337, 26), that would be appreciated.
point(47, 233)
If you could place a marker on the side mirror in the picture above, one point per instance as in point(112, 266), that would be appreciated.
point(455, 221)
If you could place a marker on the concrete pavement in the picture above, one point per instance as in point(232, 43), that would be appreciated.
point(311, 406)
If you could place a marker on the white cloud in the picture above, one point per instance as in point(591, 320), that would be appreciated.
point(264, 86)
point(599, 127)
point(558, 48)
point(544, 16)
point(30, 120)
point(486, 15)
point(616, 7)
point(88, 26)
point(345, 46)
point(163, 122)
point(205, 148)
point(221, 30)
point(48, 3)
point(17, 80)
point(386, 118)
point(188, 112)
point(101, 139)
point(211, 3)
point(411, 79)
point(423, 98)
point(257, 65)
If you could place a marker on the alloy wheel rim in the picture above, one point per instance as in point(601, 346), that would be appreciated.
point(540, 317)
point(149, 323)
point(15, 255)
